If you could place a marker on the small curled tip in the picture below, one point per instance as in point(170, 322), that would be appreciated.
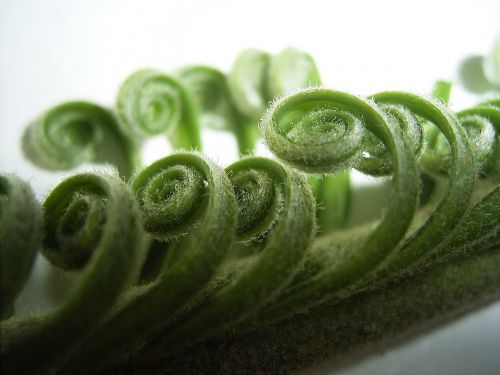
point(72, 133)
point(92, 223)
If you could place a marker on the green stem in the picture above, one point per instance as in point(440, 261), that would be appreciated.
point(442, 91)
point(343, 332)
point(332, 196)
point(210, 90)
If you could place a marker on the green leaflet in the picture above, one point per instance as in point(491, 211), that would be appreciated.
point(73, 133)
point(248, 82)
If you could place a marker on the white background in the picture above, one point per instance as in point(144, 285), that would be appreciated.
point(52, 51)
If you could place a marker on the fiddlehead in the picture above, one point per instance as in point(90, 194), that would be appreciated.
point(313, 113)
point(150, 102)
point(482, 124)
point(256, 79)
point(239, 101)
point(374, 255)
point(188, 201)
point(72, 133)
point(276, 214)
point(93, 223)
point(20, 238)
point(461, 177)
point(236, 103)
point(482, 222)
point(234, 252)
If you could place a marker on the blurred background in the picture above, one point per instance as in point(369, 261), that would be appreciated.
point(59, 50)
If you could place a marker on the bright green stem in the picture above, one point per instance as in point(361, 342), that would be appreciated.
point(209, 88)
point(190, 201)
point(247, 135)
point(442, 91)
point(20, 238)
point(150, 103)
point(91, 222)
point(73, 133)
point(332, 195)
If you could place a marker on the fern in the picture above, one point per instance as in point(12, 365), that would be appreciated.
point(185, 259)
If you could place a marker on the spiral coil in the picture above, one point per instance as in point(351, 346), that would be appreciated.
point(186, 251)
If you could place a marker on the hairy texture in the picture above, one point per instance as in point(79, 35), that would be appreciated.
point(73, 133)
point(190, 268)
point(20, 238)
point(275, 208)
point(90, 222)
point(150, 102)
point(327, 110)
point(482, 124)
point(332, 335)
point(391, 247)
point(186, 200)
point(257, 79)
point(237, 102)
